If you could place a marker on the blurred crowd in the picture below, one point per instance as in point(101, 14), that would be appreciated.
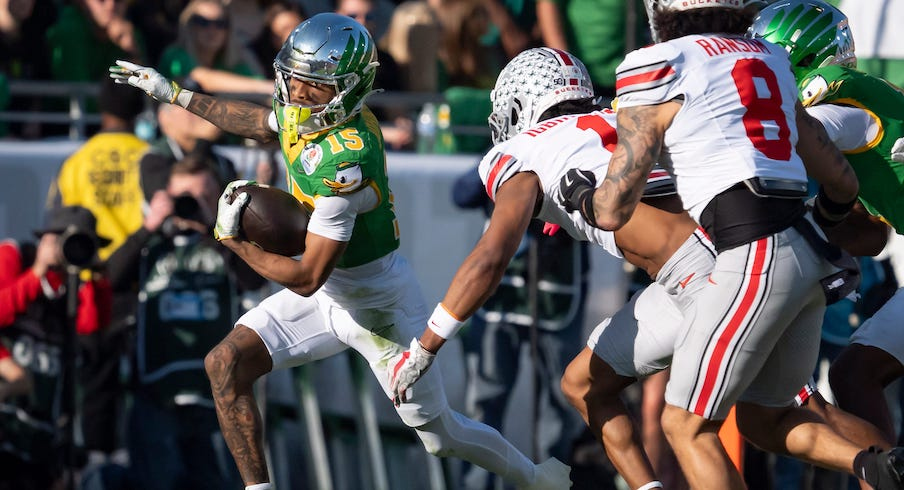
point(451, 48)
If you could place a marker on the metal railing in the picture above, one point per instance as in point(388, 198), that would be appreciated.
point(78, 118)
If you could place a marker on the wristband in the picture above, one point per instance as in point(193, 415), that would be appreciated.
point(443, 323)
point(828, 212)
point(586, 208)
point(652, 484)
point(183, 97)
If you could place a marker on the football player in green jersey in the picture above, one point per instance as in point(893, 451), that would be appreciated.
point(864, 117)
point(351, 287)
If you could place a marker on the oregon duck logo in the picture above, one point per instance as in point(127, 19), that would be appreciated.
point(816, 89)
point(348, 178)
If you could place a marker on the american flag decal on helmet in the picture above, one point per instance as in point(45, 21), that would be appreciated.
point(570, 65)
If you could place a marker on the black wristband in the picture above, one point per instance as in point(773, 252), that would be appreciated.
point(832, 207)
point(586, 209)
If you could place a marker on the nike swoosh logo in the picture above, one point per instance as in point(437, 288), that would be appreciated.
point(710, 279)
point(686, 280)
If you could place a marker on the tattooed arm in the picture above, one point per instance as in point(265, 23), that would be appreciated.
point(640, 133)
point(238, 117)
point(823, 161)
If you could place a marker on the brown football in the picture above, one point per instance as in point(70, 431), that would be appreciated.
point(274, 220)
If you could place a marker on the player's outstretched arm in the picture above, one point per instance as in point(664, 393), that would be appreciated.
point(245, 119)
point(238, 117)
point(474, 282)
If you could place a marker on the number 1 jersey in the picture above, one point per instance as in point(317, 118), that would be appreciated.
point(549, 150)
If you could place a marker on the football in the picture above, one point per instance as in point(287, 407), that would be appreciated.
point(273, 219)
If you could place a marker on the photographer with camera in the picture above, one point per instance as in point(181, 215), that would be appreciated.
point(188, 288)
point(39, 314)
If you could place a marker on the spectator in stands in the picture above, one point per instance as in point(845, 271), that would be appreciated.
point(396, 123)
point(503, 325)
point(208, 54)
point(182, 133)
point(600, 32)
point(185, 309)
point(102, 175)
point(280, 19)
point(87, 35)
point(158, 21)
point(23, 54)
point(247, 17)
point(33, 324)
point(513, 25)
point(465, 60)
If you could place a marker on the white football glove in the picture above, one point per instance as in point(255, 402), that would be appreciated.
point(147, 79)
point(229, 215)
point(897, 151)
point(235, 184)
point(406, 368)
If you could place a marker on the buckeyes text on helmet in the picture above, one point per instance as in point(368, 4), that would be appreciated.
point(653, 6)
point(531, 83)
point(327, 49)
point(813, 32)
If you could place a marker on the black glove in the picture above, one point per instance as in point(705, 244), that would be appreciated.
point(577, 188)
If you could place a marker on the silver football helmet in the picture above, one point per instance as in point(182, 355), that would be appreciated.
point(329, 49)
point(531, 83)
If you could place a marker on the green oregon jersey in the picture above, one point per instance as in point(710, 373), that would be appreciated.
point(344, 160)
point(881, 178)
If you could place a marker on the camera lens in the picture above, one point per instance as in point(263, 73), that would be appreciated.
point(186, 207)
point(78, 248)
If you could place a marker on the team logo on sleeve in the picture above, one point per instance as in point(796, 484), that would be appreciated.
point(311, 156)
point(348, 178)
point(815, 89)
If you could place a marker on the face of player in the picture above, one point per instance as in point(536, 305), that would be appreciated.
point(308, 93)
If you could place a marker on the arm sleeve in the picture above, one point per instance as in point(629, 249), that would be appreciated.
point(850, 128)
point(334, 216)
point(645, 76)
point(274, 125)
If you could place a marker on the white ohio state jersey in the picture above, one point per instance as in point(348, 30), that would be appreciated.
point(738, 115)
point(549, 150)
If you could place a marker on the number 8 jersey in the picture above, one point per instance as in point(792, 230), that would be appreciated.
point(738, 116)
